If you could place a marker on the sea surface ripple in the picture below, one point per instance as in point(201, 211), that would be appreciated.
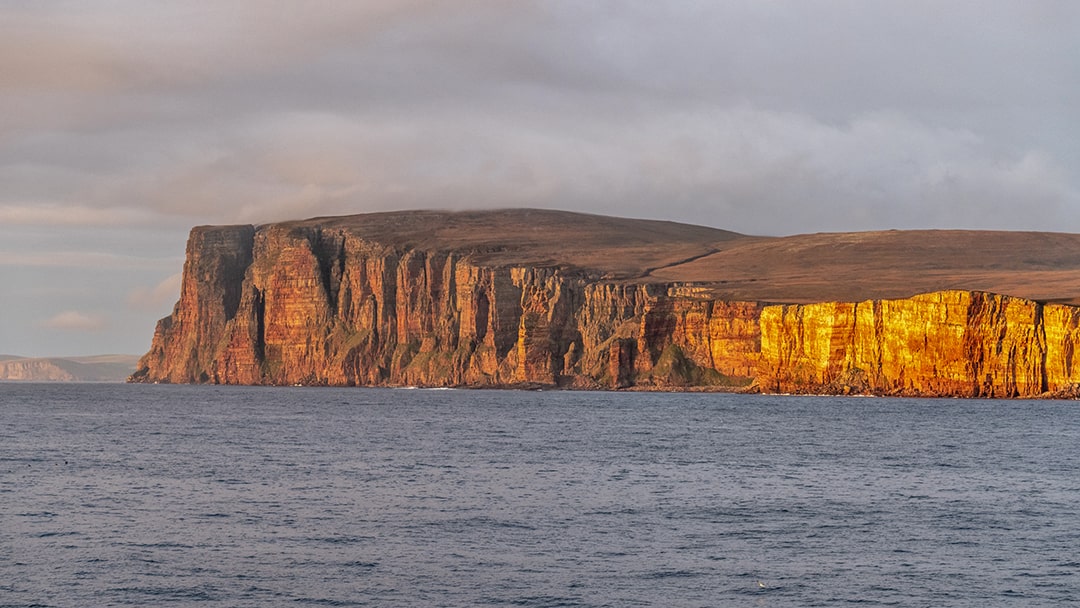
point(129, 495)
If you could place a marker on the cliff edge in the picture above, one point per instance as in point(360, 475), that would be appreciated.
point(549, 298)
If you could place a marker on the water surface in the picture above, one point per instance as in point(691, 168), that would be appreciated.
point(129, 495)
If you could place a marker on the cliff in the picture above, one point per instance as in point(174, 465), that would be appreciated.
point(950, 343)
point(99, 368)
point(534, 298)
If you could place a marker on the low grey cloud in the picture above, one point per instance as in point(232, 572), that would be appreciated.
point(849, 112)
point(770, 117)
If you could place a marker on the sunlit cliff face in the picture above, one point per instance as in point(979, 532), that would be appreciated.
point(954, 343)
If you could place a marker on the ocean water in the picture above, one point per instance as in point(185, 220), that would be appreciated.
point(117, 495)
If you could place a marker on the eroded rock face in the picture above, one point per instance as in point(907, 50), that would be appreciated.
point(185, 344)
point(951, 343)
point(304, 304)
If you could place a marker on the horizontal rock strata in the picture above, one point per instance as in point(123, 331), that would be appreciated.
point(307, 304)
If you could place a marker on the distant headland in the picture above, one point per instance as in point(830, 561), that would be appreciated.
point(541, 298)
point(95, 368)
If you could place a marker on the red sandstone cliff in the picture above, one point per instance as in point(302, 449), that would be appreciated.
point(491, 299)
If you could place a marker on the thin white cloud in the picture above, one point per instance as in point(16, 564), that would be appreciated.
point(52, 214)
point(153, 298)
point(73, 320)
point(85, 259)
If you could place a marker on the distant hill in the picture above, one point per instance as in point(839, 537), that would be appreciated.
point(97, 368)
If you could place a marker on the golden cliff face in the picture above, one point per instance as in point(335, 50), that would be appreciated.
point(301, 304)
point(951, 343)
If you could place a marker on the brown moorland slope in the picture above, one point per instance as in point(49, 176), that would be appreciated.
point(804, 268)
point(618, 248)
point(857, 266)
point(841, 266)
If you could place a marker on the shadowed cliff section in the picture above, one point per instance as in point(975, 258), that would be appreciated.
point(549, 298)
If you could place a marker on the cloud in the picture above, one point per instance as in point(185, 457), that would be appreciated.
point(766, 117)
point(738, 167)
point(152, 298)
point(85, 259)
point(134, 47)
point(52, 214)
point(72, 320)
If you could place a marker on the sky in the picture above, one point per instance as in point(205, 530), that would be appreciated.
point(123, 123)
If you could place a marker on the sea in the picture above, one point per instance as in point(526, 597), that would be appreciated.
point(144, 495)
